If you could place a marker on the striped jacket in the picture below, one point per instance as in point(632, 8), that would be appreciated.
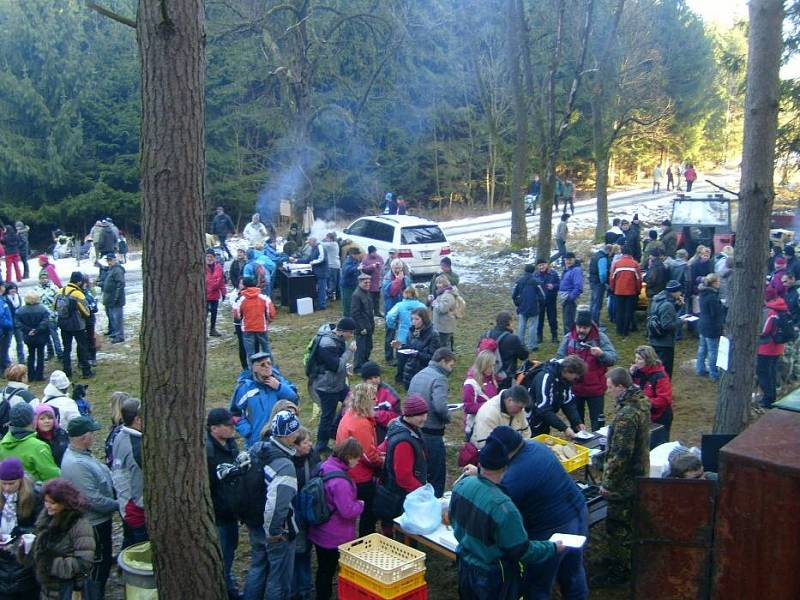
point(626, 277)
point(280, 477)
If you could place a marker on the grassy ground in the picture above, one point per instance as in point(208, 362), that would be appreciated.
point(486, 287)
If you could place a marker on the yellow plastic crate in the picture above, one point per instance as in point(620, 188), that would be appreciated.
point(381, 559)
point(576, 462)
point(384, 590)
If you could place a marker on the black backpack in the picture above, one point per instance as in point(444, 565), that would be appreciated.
point(5, 411)
point(313, 507)
point(310, 363)
point(248, 491)
point(785, 333)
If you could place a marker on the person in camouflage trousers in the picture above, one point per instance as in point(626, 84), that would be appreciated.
point(627, 457)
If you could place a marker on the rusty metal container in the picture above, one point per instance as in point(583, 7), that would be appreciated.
point(673, 537)
point(757, 533)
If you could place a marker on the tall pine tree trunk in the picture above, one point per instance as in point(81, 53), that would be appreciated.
point(755, 206)
point(519, 227)
point(600, 155)
point(187, 558)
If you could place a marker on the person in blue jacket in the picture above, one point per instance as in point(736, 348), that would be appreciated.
point(599, 268)
point(394, 284)
point(256, 393)
point(6, 329)
point(348, 281)
point(398, 319)
point(570, 289)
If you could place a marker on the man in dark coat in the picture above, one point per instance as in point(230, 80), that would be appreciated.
point(663, 323)
point(222, 227)
point(114, 298)
point(527, 296)
point(362, 312)
point(549, 280)
point(221, 449)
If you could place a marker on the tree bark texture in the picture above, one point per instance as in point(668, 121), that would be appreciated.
point(519, 227)
point(187, 558)
point(765, 46)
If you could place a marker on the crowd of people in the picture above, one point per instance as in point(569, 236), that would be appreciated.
point(299, 494)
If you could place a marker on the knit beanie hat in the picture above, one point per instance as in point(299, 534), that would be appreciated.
point(284, 423)
point(414, 405)
point(493, 455)
point(39, 410)
point(370, 369)
point(507, 436)
point(20, 415)
point(11, 469)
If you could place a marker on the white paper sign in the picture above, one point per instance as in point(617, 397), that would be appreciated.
point(723, 354)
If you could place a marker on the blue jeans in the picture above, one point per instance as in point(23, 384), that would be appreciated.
point(116, 325)
point(529, 325)
point(20, 346)
point(333, 281)
point(301, 581)
point(256, 581)
point(252, 339)
point(494, 584)
point(566, 568)
point(707, 348)
point(569, 309)
point(281, 569)
point(437, 462)
point(228, 541)
point(598, 292)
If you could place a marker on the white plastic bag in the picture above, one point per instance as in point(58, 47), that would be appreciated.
point(422, 511)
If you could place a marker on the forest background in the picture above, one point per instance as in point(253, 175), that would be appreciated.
point(336, 102)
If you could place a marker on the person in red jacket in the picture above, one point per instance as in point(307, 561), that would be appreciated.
point(215, 289)
point(405, 466)
point(595, 348)
point(626, 283)
point(256, 312)
point(387, 400)
point(769, 351)
point(649, 374)
point(358, 422)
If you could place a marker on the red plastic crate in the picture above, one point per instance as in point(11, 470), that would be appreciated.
point(350, 591)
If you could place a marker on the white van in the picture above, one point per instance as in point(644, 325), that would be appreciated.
point(419, 242)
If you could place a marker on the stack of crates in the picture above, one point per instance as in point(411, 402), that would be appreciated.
point(378, 568)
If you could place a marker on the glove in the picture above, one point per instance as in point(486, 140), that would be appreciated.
point(225, 470)
point(243, 460)
point(385, 405)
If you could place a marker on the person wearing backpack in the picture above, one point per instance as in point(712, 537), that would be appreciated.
point(15, 391)
point(527, 296)
point(508, 346)
point(657, 275)
point(221, 448)
point(306, 463)
point(72, 313)
point(55, 395)
point(663, 323)
point(345, 508)
point(447, 307)
point(279, 519)
point(770, 348)
point(358, 422)
point(257, 391)
point(329, 377)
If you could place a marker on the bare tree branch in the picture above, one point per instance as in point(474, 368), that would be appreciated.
point(110, 14)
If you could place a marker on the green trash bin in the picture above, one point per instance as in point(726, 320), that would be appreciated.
point(137, 572)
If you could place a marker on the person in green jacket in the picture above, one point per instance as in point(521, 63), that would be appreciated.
point(21, 441)
point(492, 541)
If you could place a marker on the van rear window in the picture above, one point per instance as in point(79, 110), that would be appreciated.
point(422, 234)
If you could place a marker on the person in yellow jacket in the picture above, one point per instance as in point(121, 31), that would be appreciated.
point(72, 311)
point(507, 408)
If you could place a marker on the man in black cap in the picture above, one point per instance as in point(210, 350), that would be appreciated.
point(595, 348)
point(334, 351)
point(490, 533)
point(669, 238)
point(114, 298)
point(93, 479)
point(663, 323)
point(221, 448)
point(362, 311)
